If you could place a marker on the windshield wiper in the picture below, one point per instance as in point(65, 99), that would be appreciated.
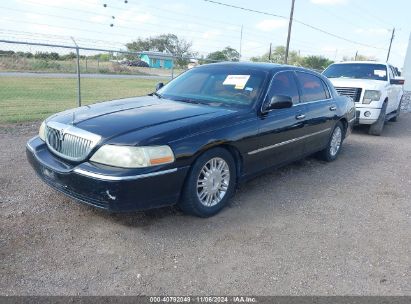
point(156, 94)
point(187, 100)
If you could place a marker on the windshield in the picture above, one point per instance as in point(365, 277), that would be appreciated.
point(217, 86)
point(357, 70)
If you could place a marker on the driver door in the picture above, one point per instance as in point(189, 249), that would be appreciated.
point(281, 131)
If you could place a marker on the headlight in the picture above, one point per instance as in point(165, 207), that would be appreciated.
point(371, 95)
point(42, 131)
point(133, 157)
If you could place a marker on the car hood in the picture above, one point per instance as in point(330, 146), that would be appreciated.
point(115, 118)
point(367, 84)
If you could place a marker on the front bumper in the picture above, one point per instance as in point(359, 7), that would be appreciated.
point(363, 120)
point(113, 190)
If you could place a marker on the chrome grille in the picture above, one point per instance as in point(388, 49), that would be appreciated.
point(70, 142)
point(354, 93)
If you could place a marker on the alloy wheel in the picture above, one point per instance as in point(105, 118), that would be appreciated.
point(335, 141)
point(213, 182)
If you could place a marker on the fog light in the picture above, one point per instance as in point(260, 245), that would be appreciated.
point(367, 114)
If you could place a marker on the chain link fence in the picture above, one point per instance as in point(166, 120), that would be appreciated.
point(37, 79)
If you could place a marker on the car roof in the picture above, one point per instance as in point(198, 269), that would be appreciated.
point(362, 62)
point(263, 66)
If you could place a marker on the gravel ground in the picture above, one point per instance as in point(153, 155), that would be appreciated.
point(311, 228)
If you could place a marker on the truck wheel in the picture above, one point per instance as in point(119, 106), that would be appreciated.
point(210, 183)
point(377, 127)
point(333, 148)
point(397, 113)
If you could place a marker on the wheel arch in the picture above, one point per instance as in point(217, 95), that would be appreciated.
point(234, 152)
point(344, 122)
point(238, 159)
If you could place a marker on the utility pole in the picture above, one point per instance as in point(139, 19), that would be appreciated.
point(356, 54)
point(290, 24)
point(269, 53)
point(241, 41)
point(392, 38)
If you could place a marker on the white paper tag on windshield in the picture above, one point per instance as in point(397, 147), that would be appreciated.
point(380, 73)
point(239, 81)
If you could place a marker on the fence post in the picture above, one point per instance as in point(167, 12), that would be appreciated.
point(78, 73)
point(172, 68)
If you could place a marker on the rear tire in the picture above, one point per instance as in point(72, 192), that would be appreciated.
point(210, 183)
point(330, 153)
point(377, 127)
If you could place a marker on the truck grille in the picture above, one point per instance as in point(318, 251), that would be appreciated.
point(354, 93)
point(70, 142)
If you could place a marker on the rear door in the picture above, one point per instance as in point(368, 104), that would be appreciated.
point(280, 130)
point(320, 110)
point(391, 92)
point(396, 90)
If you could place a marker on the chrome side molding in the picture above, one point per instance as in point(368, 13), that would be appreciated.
point(287, 142)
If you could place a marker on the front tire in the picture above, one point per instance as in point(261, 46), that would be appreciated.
point(210, 183)
point(377, 127)
point(333, 148)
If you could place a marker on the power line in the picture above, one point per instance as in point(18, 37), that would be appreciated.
point(371, 16)
point(295, 20)
point(246, 32)
point(105, 33)
point(97, 23)
point(184, 21)
point(146, 24)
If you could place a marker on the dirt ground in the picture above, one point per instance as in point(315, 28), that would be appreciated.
point(311, 228)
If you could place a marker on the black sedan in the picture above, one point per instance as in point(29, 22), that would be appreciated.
point(193, 140)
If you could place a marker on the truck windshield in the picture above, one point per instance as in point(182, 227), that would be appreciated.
point(357, 70)
point(217, 86)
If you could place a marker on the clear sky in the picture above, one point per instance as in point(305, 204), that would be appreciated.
point(211, 27)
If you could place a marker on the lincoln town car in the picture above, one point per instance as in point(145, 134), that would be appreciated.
point(192, 141)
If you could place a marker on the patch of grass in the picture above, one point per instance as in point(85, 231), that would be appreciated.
point(21, 64)
point(30, 99)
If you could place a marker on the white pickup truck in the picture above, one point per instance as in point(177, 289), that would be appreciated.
point(375, 87)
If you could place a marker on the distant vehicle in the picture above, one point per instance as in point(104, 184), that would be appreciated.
point(192, 64)
point(375, 87)
point(193, 140)
point(138, 63)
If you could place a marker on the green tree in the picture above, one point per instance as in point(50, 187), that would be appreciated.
point(69, 56)
point(315, 62)
point(178, 47)
point(278, 56)
point(227, 54)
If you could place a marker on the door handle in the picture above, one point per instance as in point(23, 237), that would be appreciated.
point(333, 108)
point(300, 116)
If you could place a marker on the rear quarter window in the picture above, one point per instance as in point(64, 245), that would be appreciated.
point(312, 87)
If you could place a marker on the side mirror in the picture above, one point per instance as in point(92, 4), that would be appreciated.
point(399, 81)
point(280, 102)
point(159, 86)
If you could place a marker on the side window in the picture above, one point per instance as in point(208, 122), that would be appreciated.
point(391, 73)
point(312, 87)
point(394, 72)
point(284, 84)
point(327, 91)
